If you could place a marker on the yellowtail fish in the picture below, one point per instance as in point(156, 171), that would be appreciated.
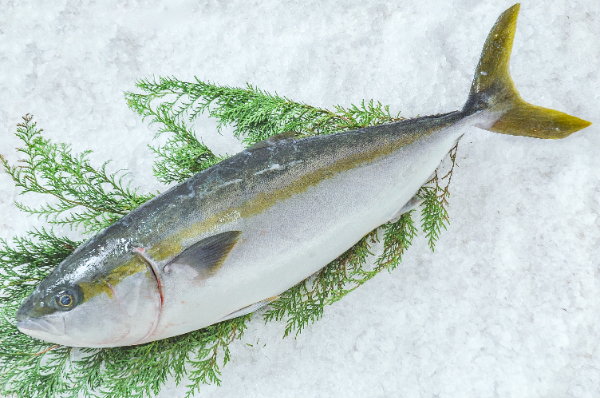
point(233, 237)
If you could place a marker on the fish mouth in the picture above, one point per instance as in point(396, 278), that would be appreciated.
point(41, 328)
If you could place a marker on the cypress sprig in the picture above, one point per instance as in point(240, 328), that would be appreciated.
point(29, 367)
point(365, 115)
point(254, 114)
point(28, 260)
point(86, 196)
point(183, 155)
point(398, 237)
point(434, 213)
point(25, 369)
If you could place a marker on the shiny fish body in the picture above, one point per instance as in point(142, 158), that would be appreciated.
point(236, 235)
point(308, 225)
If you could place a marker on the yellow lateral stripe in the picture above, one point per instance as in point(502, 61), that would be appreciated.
point(101, 284)
point(172, 245)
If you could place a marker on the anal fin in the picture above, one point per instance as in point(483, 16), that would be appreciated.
point(249, 309)
point(412, 204)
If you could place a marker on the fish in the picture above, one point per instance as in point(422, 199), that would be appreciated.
point(232, 238)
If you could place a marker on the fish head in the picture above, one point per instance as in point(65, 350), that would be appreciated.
point(106, 296)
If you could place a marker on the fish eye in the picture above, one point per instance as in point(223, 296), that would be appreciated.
point(65, 299)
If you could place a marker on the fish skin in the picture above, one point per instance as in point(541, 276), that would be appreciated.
point(301, 221)
point(211, 193)
point(198, 208)
point(297, 202)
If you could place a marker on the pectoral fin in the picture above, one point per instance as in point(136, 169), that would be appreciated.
point(205, 256)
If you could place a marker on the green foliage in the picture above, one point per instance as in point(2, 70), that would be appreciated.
point(434, 215)
point(254, 114)
point(28, 261)
point(23, 266)
point(31, 368)
point(183, 155)
point(91, 199)
point(86, 196)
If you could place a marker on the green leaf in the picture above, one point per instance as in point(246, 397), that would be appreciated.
point(84, 196)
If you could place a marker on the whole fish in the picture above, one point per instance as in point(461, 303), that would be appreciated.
point(233, 237)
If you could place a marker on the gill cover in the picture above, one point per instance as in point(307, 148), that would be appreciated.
point(121, 307)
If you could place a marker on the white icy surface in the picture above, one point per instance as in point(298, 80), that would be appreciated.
point(507, 306)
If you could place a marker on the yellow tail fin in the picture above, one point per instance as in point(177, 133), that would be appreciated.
point(493, 89)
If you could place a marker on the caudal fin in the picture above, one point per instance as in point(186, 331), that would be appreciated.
point(494, 90)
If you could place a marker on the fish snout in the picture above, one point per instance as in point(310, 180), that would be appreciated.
point(43, 329)
point(29, 322)
point(25, 311)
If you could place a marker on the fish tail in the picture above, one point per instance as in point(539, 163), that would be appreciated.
point(493, 90)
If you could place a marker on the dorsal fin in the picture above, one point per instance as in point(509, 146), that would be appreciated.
point(207, 255)
point(411, 205)
point(275, 138)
